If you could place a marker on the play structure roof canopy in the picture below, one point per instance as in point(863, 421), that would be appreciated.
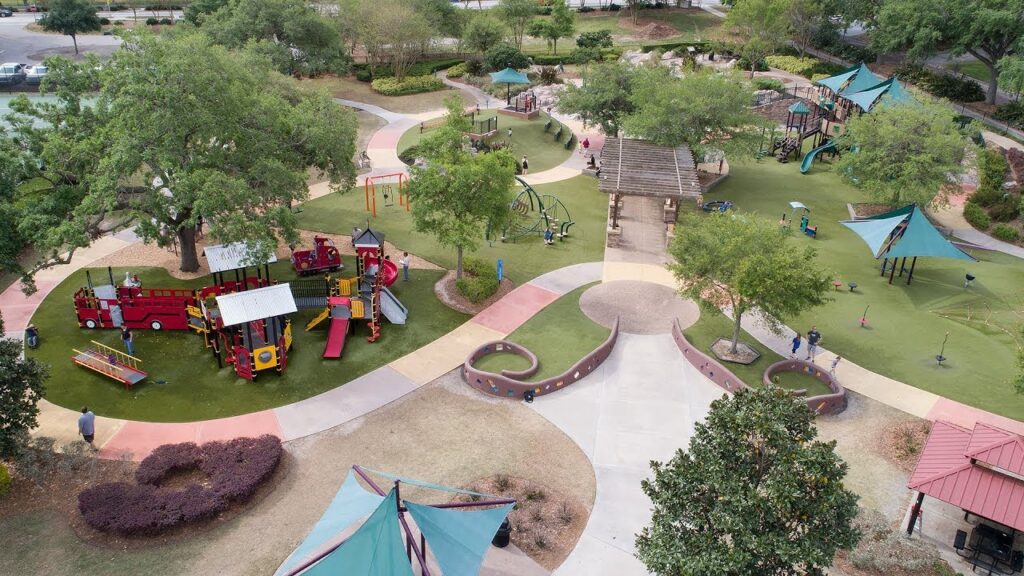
point(224, 257)
point(458, 539)
point(509, 76)
point(891, 89)
point(977, 470)
point(251, 305)
point(862, 80)
point(919, 238)
point(799, 108)
point(835, 83)
point(642, 168)
point(368, 238)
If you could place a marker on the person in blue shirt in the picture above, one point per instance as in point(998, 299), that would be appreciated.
point(549, 237)
point(87, 426)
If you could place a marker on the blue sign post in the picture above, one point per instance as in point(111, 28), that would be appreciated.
point(501, 269)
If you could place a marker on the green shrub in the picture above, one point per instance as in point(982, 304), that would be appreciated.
point(151, 21)
point(1006, 233)
point(992, 168)
point(422, 68)
point(769, 84)
point(410, 85)
point(941, 85)
point(410, 154)
point(595, 39)
point(479, 280)
point(5, 480)
point(976, 216)
point(104, 21)
point(1006, 209)
point(744, 64)
point(457, 71)
point(505, 55)
point(611, 57)
point(806, 67)
point(166, 21)
point(584, 55)
point(118, 22)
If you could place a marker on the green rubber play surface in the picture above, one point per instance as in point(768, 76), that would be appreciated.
point(906, 324)
point(184, 383)
point(528, 137)
point(559, 335)
point(524, 259)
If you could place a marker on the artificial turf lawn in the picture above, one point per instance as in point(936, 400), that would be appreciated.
point(184, 383)
point(528, 137)
point(906, 324)
point(524, 259)
point(559, 335)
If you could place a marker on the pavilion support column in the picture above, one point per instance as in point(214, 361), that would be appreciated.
point(915, 513)
point(910, 276)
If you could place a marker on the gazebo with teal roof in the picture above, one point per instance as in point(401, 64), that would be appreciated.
point(904, 233)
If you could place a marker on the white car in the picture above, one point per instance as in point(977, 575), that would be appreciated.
point(35, 74)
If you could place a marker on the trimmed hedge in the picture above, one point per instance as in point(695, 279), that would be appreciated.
point(457, 71)
point(410, 85)
point(479, 280)
point(1006, 233)
point(806, 67)
point(423, 68)
point(941, 85)
point(976, 216)
point(235, 469)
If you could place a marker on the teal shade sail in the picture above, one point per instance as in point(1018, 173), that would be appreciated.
point(863, 80)
point(377, 548)
point(875, 233)
point(835, 83)
point(458, 538)
point(920, 238)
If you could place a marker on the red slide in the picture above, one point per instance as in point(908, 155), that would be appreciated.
point(388, 271)
point(336, 333)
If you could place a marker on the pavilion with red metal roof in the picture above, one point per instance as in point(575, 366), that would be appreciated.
point(980, 471)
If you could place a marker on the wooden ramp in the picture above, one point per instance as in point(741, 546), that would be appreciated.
point(111, 363)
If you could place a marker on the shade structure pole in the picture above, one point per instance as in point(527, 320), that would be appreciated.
point(892, 272)
point(885, 261)
point(508, 94)
point(903, 266)
point(911, 275)
point(915, 513)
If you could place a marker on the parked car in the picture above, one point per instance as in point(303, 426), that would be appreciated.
point(11, 73)
point(6, 12)
point(33, 8)
point(35, 74)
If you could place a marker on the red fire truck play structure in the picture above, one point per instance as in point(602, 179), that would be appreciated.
point(324, 257)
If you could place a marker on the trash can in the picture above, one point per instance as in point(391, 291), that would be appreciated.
point(503, 535)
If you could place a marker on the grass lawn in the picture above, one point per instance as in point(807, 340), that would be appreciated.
point(972, 68)
point(559, 335)
point(351, 89)
point(524, 260)
point(906, 323)
point(528, 137)
point(184, 383)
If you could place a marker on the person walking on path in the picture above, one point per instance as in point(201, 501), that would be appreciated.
point(813, 337)
point(796, 345)
point(585, 145)
point(526, 166)
point(87, 426)
point(835, 362)
point(128, 340)
point(32, 336)
point(405, 266)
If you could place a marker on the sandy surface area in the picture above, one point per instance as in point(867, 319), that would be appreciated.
point(642, 307)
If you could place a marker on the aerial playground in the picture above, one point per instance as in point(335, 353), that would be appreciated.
point(856, 90)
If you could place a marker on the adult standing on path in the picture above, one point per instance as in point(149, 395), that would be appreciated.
point(526, 166)
point(405, 266)
point(128, 340)
point(87, 426)
point(813, 337)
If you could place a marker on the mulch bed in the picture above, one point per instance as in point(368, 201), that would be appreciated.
point(545, 524)
point(778, 111)
point(450, 296)
point(902, 442)
point(745, 354)
point(60, 494)
point(866, 210)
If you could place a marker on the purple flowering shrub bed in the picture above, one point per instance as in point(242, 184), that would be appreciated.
point(235, 470)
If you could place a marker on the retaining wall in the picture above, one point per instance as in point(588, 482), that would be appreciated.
point(833, 403)
point(510, 383)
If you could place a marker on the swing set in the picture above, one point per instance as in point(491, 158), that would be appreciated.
point(387, 188)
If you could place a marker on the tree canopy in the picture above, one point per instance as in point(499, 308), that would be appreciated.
point(746, 262)
point(606, 98)
point(21, 389)
point(457, 196)
point(297, 38)
point(181, 129)
point(985, 29)
point(755, 493)
point(905, 153)
point(482, 33)
point(517, 14)
point(71, 18)
point(561, 24)
point(393, 33)
point(705, 110)
point(763, 25)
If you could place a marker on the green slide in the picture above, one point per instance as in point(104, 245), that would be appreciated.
point(809, 157)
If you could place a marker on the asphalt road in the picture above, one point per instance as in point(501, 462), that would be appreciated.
point(20, 45)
